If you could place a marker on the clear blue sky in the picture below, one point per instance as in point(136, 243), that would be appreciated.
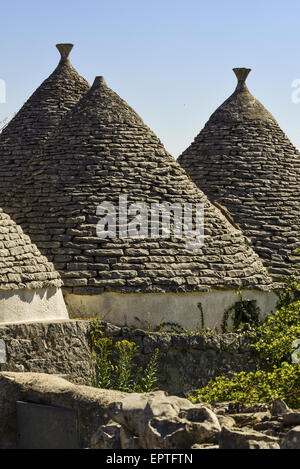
point(169, 59)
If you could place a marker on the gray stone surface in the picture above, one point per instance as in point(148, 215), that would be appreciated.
point(292, 439)
point(279, 407)
point(292, 418)
point(242, 439)
point(107, 419)
point(247, 166)
point(90, 404)
point(189, 361)
point(2, 351)
point(37, 118)
point(46, 427)
point(101, 149)
point(22, 266)
point(186, 362)
point(60, 347)
point(157, 421)
point(115, 420)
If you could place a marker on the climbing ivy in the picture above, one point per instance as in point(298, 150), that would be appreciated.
point(243, 312)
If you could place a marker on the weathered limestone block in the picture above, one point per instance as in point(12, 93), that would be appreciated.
point(291, 440)
point(241, 439)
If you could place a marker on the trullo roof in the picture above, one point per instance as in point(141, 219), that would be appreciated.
point(245, 163)
point(103, 149)
point(36, 119)
point(21, 264)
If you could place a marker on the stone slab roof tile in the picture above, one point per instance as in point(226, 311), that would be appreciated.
point(21, 264)
point(37, 118)
point(101, 149)
point(246, 165)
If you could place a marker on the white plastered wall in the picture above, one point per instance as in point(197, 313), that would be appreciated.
point(32, 305)
point(144, 310)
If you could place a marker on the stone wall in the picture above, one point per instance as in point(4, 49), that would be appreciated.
point(90, 404)
point(186, 361)
point(59, 347)
point(111, 420)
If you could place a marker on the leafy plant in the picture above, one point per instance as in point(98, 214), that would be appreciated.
point(243, 312)
point(273, 341)
point(290, 292)
point(101, 354)
point(114, 364)
point(125, 351)
point(277, 334)
point(259, 386)
point(150, 378)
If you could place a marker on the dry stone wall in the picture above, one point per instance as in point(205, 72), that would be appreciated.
point(186, 361)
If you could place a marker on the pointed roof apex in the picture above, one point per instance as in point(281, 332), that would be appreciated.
point(99, 81)
point(241, 74)
point(64, 50)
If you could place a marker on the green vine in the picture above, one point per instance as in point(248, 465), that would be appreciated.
point(202, 323)
point(243, 312)
point(290, 293)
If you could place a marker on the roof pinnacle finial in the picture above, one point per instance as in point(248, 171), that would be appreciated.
point(64, 50)
point(99, 81)
point(241, 74)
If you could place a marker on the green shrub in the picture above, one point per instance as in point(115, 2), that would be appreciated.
point(125, 353)
point(150, 378)
point(290, 293)
point(259, 386)
point(114, 364)
point(103, 366)
point(273, 341)
point(277, 334)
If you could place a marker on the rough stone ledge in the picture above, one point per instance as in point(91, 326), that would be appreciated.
point(108, 419)
point(186, 361)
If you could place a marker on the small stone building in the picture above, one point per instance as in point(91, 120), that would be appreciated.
point(247, 166)
point(37, 118)
point(103, 149)
point(29, 285)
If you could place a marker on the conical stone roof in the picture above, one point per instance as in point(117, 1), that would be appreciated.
point(21, 264)
point(103, 149)
point(36, 120)
point(245, 163)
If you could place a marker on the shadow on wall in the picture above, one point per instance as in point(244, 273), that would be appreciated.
point(32, 305)
point(28, 296)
